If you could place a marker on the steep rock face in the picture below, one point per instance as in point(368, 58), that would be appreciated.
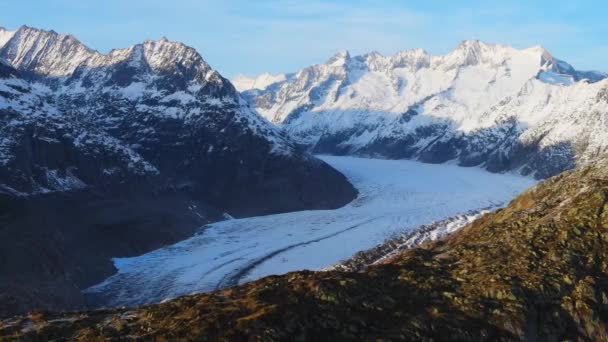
point(536, 270)
point(481, 104)
point(144, 144)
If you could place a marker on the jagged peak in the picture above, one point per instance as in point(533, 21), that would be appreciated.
point(344, 53)
point(374, 53)
point(378, 61)
point(64, 54)
point(481, 46)
point(340, 58)
point(534, 59)
point(5, 36)
point(150, 44)
point(546, 57)
point(539, 49)
point(412, 52)
point(471, 51)
point(45, 52)
point(261, 82)
point(163, 53)
point(474, 44)
point(164, 41)
point(25, 30)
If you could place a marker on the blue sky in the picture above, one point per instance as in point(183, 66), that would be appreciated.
point(255, 36)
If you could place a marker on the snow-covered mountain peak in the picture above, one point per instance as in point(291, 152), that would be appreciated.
point(392, 84)
point(411, 59)
point(409, 55)
point(339, 59)
point(243, 83)
point(472, 104)
point(475, 52)
point(47, 53)
point(545, 66)
point(474, 46)
point(545, 55)
point(152, 65)
point(164, 54)
point(559, 72)
point(5, 36)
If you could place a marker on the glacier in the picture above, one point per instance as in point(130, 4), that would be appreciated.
point(395, 196)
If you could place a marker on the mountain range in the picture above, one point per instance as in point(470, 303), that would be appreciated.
point(107, 155)
point(484, 105)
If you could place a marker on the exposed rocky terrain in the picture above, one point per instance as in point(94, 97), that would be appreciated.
point(536, 270)
point(481, 104)
point(110, 155)
point(403, 241)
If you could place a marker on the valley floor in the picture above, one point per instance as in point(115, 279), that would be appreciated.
point(395, 196)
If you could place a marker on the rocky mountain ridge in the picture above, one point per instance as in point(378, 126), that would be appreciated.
point(493, 106)
point(137, 96)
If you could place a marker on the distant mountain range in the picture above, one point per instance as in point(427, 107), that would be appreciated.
point(489, 105)
point(107, 155)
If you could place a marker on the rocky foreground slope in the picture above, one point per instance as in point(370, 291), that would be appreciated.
point(536, 270)
point(481, 104)
point(110, 155)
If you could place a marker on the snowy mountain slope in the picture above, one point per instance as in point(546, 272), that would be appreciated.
point(114, 155)
point(478, 105)
point(161, 100)
point(5, 35)
point(394, 197)
point(33, 131)
point(261, 82)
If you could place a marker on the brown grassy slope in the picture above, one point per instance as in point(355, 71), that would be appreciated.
point(537, 270)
